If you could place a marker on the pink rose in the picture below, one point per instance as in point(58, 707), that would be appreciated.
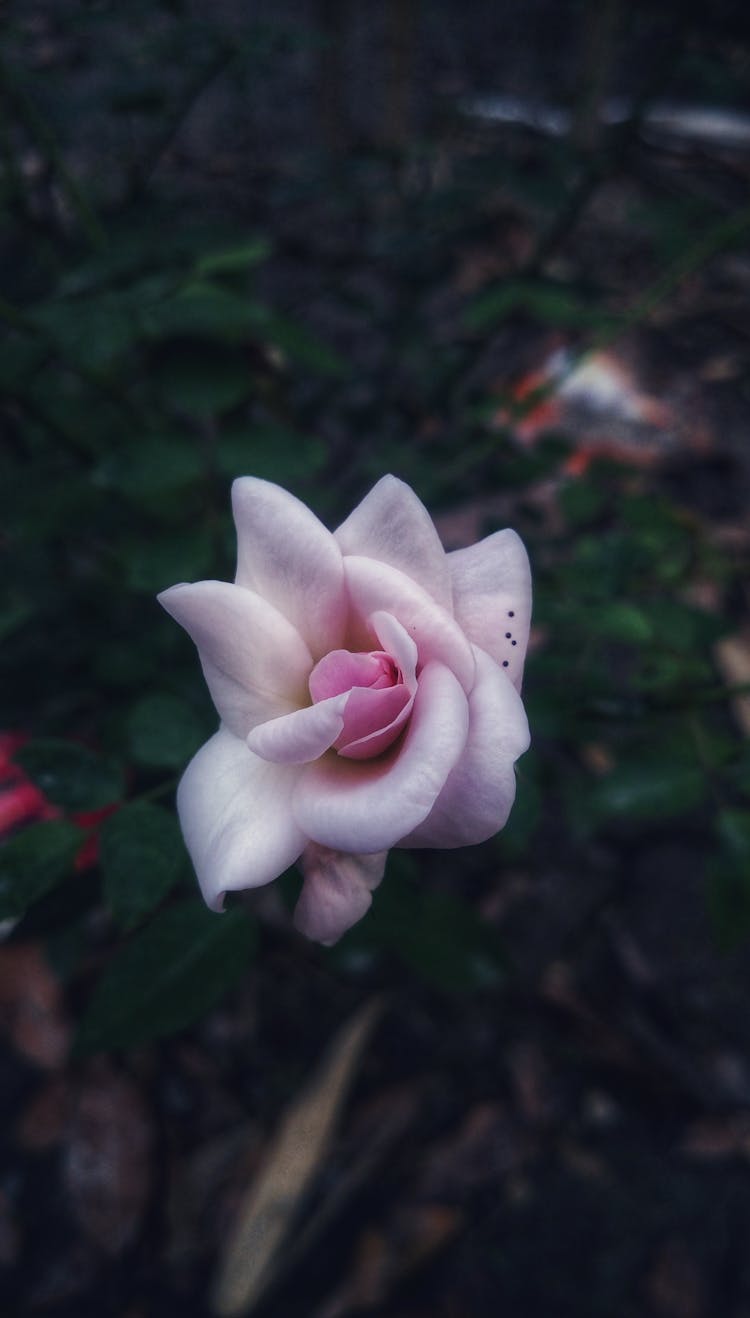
point(367, 684)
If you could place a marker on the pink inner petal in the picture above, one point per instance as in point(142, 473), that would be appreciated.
point(341, 670)
point(380, 686)
point(398, 644)
point(373, 721)
point(371, 805)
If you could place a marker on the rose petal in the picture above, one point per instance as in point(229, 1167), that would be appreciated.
point(287, 556)
point(391, 525)
point(397, 642)
point(255, 663)
point(370, 805)
point(373, 720)
point(336, 892)
point(492, 597)
point(400, 647)
point(479, 791)
point(376, 586)
point(342, 669)
point(236, 818)
point(301, 736)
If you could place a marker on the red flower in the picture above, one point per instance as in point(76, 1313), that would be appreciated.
point(23, 803)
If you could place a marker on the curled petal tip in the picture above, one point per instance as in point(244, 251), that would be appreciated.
point(337, 891)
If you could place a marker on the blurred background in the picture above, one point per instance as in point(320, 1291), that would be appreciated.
point(501, 250)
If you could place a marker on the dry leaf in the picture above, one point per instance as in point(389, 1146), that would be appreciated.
point(582, 1162)
point(205, 1186)
point(531, 1084)
point(725, 1137)
point(385, 1257)
point(42, 1122)
point(10, 1239)
point(106, 1167)
point(31, 1005)
point(732, 655)
point(485, 1148)
point(294, 1158)
point(368, 1284)
point(598, 758)
point(673, 1284)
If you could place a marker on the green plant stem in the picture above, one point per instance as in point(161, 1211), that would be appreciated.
point(35, 413)
point(718, 237)
point(704, 759)
point(153, 793)
point(42, 135)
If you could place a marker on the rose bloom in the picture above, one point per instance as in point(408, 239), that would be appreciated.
point(368, 689)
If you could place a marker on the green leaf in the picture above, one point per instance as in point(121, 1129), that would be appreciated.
point(229, 260)
point(167, 976)
point(620, 621)
point(728, 898)
point(734, 831)
point(204, 310)
point(582, 502)
point(142, 856)
point(150, 565)
point(271, 452)
point(524, 817)
point(437, 936)
point(303, 346)
point(14, 615)
point(648, 788)
point(70, 775)
point(552, 304)
point(33, 861)
point(203, 378)
point(675, 625)
point(165, 731)
point(152, 466)
point(729, 880)
point(93, 332)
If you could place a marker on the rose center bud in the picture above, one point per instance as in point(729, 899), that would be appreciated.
point(379, 702)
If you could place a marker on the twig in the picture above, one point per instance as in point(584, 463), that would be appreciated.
point(600, 166)
point(718, 237)
point(42, 134)
point(141, 174)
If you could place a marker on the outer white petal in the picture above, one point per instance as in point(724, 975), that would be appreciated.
point(236, 818)
point(255, 663)
point(393, 526)
point(479, 792)
point(287, 556)
point(337, 891)
point(492, 596)
point(377, 586)
point(301, 736)
point(369, 805)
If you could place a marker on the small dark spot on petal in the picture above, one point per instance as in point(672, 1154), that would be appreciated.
point(507, 636)
point(514, 642)
point(505, 663)
point(511, 614)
